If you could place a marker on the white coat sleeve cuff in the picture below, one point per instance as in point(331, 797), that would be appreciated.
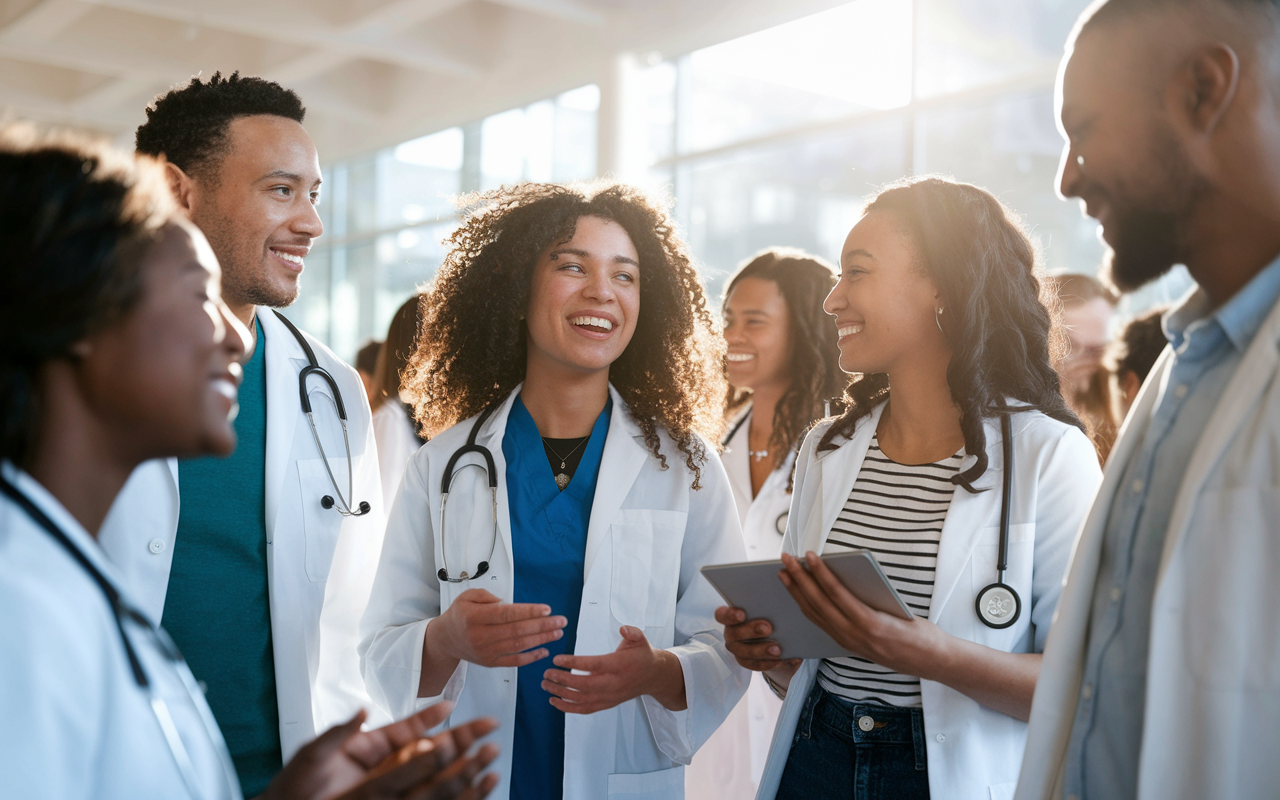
point(707, 682)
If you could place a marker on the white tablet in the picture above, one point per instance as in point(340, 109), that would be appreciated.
point(755, 588)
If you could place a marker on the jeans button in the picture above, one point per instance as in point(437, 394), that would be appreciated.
point(866, 723)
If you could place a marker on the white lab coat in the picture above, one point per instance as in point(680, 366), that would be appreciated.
point(1213, 668)
point(320, 564)
point(74, 724)
point(973, 751)
point(730, 764)
point(394, 433)
point(648, 535)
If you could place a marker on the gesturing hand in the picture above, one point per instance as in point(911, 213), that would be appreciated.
point(747, 640)
point(395, 761)
point(481, 629)
point(634, 669)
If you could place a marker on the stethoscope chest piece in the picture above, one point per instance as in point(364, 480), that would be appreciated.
point(998, 605)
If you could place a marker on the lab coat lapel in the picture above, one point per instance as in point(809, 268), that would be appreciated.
point(284, 360)
point(1256, 371)
point(840, 469)
point(968, 514)
point(491, 436)
point(620, 463)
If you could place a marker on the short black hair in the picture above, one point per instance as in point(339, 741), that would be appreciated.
point(188, 124)
point(78, 218)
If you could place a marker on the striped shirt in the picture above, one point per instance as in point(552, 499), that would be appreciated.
point(895, 511)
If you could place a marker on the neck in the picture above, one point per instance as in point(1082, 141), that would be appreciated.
point(564, 404)
point(921, 423)
point(764, 403)
point(1243, 242)
point(76, 457)
point(246, 313)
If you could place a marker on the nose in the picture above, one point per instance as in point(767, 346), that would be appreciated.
point(598, 287)
point(1069, 169)
point(835, 301)
point(232, 334)
point(732, 332)
point(307, 221)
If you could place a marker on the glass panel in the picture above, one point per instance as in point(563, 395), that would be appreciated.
point(852, 58)
point(966, 43)
point(417, 179)
point(552, 140)
point(806, 194)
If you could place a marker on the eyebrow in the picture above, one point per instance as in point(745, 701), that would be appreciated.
point(289, 176)
point(572, 251)
point(858, 251)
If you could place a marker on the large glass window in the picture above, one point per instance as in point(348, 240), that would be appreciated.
point(775, 138)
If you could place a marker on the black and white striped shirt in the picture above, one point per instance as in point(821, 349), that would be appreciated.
point(896, 511)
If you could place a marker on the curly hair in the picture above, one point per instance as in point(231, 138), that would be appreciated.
point(804, 281)
point(78, 217)
point(472, 347)
point(188, 125)
point(998, 325)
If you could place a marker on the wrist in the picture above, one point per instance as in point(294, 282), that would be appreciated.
point(435, 649)
point(666, 683)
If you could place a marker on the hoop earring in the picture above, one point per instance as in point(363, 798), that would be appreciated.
point(937, 318)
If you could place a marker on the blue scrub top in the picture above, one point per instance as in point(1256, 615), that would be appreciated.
point(549, 546)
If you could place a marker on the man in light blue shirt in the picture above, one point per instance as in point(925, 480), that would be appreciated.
point(1170, 112)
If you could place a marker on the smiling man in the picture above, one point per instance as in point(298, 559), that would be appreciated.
point(259, 565)
point(1161, 677)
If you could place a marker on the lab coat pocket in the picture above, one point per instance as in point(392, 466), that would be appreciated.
point(653, 785)
point(646, 566)
point(1018, 575)
point(1230, 591)
point(320, 525)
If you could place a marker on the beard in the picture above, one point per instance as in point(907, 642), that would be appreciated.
point(1148, 229)
point(245, 278)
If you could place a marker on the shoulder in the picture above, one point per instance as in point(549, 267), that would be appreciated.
point(1050, 440)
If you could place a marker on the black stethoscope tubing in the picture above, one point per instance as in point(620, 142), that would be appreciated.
point(120, 610)
point(446, 480)
point(343, 504)
point(998, 605)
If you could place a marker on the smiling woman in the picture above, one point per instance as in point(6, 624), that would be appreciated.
point(583, 497)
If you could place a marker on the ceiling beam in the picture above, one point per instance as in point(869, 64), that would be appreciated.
point(44, 21)
point(575, 11)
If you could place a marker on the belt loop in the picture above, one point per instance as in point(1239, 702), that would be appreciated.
point(810, 708)
point(917, 738)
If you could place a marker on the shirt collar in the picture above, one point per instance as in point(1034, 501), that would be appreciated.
point(1239, 318)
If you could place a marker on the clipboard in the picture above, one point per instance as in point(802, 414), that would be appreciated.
point(755, 588)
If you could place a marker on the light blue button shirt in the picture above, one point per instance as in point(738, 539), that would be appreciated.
point(1106, 738)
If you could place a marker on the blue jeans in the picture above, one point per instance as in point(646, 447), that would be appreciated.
point(833, 757)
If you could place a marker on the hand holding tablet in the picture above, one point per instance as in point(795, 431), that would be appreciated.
point(755, 588)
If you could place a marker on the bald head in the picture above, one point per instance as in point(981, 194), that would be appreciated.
point(1170, 112)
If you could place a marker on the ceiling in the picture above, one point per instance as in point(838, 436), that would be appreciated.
point(371, 72)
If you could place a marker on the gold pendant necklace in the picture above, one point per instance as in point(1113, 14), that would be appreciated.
point(562, 477)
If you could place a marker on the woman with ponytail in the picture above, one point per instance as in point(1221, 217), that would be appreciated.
point(940, 320)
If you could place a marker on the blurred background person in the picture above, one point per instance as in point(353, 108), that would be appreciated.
point(1131, 357)
point(118, 348)
point(782, 365)
point(393, 426)
point(1086, 306)
point(366, 364)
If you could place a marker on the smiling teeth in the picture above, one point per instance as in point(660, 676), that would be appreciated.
point(738, 356)
point(595, 322)
point(292, 259)
point(848, 330)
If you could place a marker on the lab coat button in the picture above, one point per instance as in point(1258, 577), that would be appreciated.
point(1087, 691)
point(156, 546)
point(1115, 594)
point(1181, 391)
point(866, 723)
point(942, 737)
point(1138, 486)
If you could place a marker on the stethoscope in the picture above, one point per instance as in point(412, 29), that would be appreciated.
point(779, 524)
point(121, 610)
point(491, 473)
point(998, 605)
point(343, 504)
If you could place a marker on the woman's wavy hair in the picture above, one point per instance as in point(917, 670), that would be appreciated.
point(472, 348)
point(804, 281)
point(999, 327)
point(78, 217)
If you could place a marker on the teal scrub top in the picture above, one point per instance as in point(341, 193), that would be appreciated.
point(218, 607)
point(549, 545)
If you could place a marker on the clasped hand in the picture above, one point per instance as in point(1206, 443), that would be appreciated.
point(481, 629)
point(635, 668)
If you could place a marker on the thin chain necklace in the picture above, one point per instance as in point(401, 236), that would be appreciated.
point(562, 477)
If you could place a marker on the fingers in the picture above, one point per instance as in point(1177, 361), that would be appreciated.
point(512, 636)
point(728, 615)
point(586, 663)
point(463, 736)
point(478, 596)
point(458, 781)
point(519, 659)
point(516, 612)
point(752, 631)
point(432, 763)
point(333, 739)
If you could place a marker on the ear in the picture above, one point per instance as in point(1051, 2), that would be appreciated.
point(182, 186)
point(1129, 384)
point(1208, 85)
point(81, 349)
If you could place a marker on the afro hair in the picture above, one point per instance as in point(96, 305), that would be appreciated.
point(188, 125)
